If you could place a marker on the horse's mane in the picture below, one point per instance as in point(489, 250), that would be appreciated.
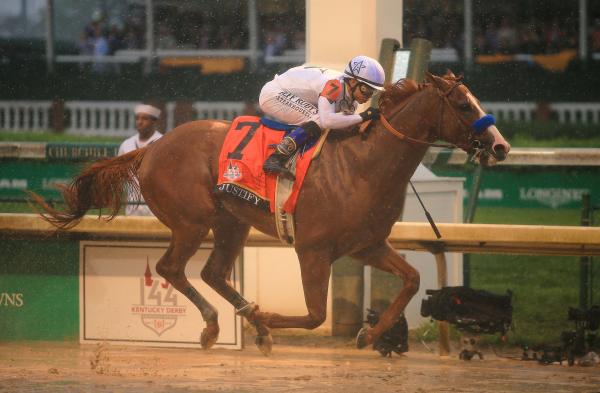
point(392, 96)
point(398, 92)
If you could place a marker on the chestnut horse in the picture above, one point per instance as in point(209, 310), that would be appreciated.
point(351, 197)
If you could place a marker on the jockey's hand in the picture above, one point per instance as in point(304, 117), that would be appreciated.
point(370, 114)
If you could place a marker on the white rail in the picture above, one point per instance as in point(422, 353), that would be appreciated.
point(25, 115)
point(218, 110)
point(511, 111)
point(106, 118)
point(116, 118)
point(110, 118)
point(582, 112)
point(477, 238)
point(566, 112)
point(223, 110)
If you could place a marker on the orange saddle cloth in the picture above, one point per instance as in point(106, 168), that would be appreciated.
point(244, 151)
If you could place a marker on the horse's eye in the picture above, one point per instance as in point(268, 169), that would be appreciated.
point(465, 107)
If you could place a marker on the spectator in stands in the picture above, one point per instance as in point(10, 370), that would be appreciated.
point(86, 43)
point(204, 38)
point(146, 117)
point(87, 40)
point(115, 39)
point(491, 38)
point(529, 38)
point(134, 30)
point(275, 42)
point(479, 43)
point(554, 36)
point(507, 36)
point(595, 36)
point(101, 49)
point(165, 39)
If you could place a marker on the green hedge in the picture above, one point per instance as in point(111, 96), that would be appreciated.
point(70, 82)
point(540, 130)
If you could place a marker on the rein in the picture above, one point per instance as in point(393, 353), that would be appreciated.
point(387, 125)
point(404, 137)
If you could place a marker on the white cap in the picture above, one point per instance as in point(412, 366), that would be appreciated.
point(147, 110)
point(367, 70)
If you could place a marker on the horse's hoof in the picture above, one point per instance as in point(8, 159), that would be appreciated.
point(362, 339)
point(264, 344)
point(209, 335)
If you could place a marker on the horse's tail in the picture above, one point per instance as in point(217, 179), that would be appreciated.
point(101, 184)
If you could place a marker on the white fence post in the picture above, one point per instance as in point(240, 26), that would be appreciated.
point(511, 111)
point(116, 118)
point(218, 110)
point(577, 112)
point(101, 118)
point(25, 115)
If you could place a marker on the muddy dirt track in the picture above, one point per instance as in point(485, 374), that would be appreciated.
point(318, 364)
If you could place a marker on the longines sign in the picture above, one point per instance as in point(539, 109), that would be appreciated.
point(124, 300)
point(11, 300)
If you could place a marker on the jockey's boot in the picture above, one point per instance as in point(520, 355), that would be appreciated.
point(288, 146)
point(276, 161)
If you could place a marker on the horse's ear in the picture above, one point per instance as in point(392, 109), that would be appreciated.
point(449, 74)
point(429, 77)
point(440, 83)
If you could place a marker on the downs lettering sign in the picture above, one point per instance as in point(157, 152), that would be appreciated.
point(124, 300)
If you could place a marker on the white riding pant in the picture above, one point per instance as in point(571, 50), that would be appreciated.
point(286, 107)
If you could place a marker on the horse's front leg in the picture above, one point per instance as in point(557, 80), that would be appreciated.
point(315, 267)
point(382, 256)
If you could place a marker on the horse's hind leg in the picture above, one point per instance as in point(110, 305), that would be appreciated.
point(315, 270)
point(382, 256)
point(184, 243)
point(230, 236)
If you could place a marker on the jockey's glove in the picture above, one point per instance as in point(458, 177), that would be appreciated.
point(370, 114)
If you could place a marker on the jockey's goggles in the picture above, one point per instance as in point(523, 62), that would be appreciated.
point(366, 90)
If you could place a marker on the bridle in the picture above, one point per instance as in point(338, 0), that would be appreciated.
point(472, 142)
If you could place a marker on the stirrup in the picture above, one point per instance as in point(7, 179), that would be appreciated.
point(280, 171)
point(287, 174)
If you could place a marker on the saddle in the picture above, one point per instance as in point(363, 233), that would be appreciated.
point(246, 147)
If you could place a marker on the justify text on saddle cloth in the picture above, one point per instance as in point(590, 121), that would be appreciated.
point(304, 94)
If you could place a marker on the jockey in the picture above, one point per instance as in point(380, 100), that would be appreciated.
point(318, 98)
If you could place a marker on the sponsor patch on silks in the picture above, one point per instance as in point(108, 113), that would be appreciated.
point(242, 156)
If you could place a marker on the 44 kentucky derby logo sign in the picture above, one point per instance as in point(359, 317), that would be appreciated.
point(157, 307)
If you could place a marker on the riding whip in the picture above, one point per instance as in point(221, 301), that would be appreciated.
point(429, 218)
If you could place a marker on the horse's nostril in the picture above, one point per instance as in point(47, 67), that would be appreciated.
point(500, 152)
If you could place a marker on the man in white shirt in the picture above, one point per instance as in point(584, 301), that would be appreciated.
point(316, 98)
point(146, 117)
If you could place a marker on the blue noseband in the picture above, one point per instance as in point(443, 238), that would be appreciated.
point(480, 125)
